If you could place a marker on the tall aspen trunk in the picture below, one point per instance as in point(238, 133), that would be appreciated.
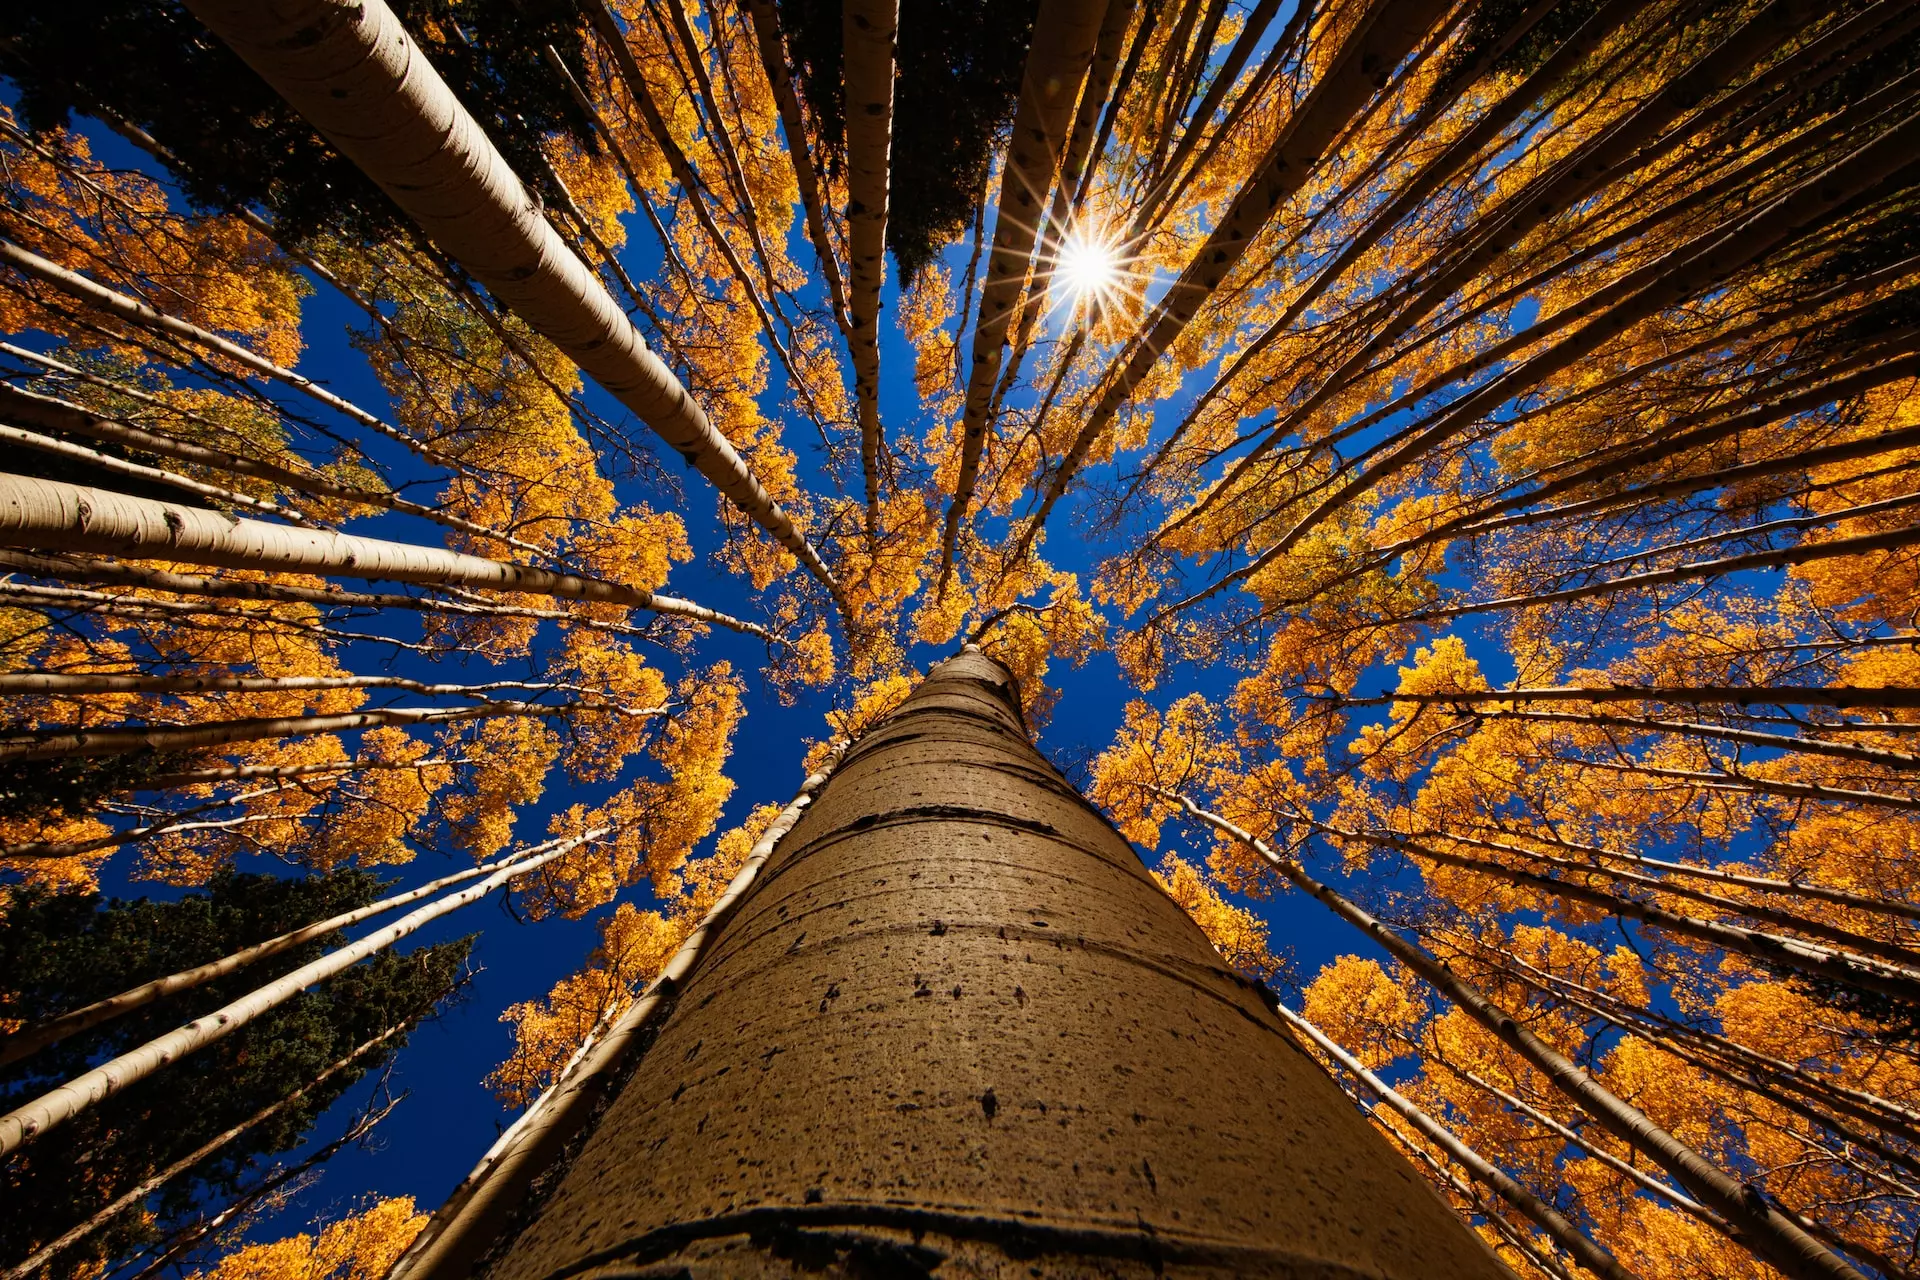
point(50, 515)
point(353, 71)
point(1064, 35)
point(956, 1027)
point(1386, 33)
point(765, 21)
point(869, 31)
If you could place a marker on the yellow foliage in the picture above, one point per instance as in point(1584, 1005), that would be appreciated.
point(510, 757)
point(633, 946)
point(637, 549)
point(360, 1246)
point(1364, 1010)
point(1182, 750)
point(1235, 932)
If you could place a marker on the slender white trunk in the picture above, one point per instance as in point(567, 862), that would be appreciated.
point(1590, 1255)
point(140, 1191)
point(1802, 553)
point(869, 29)
point(1074, 162)
point(183, 1243)
point(31, 1039)
point(55, 415)
point(481, 1206)
point(1777, 695)
point(74, 849)
point(94, 460)
point(1678, 1199)
point(1613, 154)
point(56, 685)
point(247, 772)
point(1736, 780)
point(121, 741)
point(1899, 760)
point(188, 819)
point(351, 69)
point(765, 20)
point(694, 61)
point(1763, 1228)
point(134, 311)
point(189, 584)
point(1064, 34)
point(1523, 1244)
point(32, 1119)
point(48, 515)
point(1657, 1028)
point(1175, 172)
point(1423, 184)
point(1681, 870)
point(608, 28)
point(1871, 963)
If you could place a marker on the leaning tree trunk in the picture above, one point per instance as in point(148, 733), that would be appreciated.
point(352, 70)
point(955, 1023)
point(870, 29)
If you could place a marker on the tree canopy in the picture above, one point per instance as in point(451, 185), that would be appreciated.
point(65, 950)
point(1473, 438)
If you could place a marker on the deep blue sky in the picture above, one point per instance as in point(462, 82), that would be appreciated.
point(450, 1118)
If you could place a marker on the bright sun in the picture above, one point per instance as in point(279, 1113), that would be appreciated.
point(1087, 268)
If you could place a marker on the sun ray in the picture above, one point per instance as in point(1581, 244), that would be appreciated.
point(1089, 270)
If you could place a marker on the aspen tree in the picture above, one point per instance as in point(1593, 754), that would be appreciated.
point(484, 220)
point(1064, 33)
point(994, 794)
point(870, 29)
point(1576, 339)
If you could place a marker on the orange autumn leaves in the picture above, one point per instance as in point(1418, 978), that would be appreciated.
point(213, 271)
point(361, 1245)
point(634, 945)
point(1521, 533)
point(1696, 1036)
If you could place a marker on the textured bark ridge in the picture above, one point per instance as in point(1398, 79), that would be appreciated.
point(956, 1030)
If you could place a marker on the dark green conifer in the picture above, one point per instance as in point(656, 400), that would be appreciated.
point(62, 951)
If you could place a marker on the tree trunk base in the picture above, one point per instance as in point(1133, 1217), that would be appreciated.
point(794, 1245)
point(955, 1028)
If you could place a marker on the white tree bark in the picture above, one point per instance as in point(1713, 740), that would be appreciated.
point(462, 1228)
point(1778, 695)
point(32, 1119)
point(1764, 1229)
point(1064, 34)
point(49, 414)
point(75, 285)
point(139, 1192)
point(118, 573)
point(869, 29)
point(246, 772)
point(1872, 964)
point(56, 684)
point(30, 1040)
point(124, 740)
point(98, 461)
point(1590, 1255)
point(48, 515)
point(765, 21)
point(1678, 1199)
point(189, 819)
point(351, 69)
